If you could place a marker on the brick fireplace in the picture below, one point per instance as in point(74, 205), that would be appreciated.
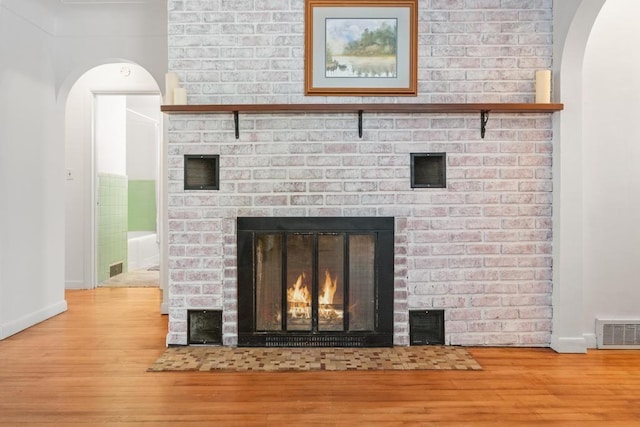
point(478, 248)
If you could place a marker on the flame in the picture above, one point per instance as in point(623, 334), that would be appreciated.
point(328, 290)
point(299, 299)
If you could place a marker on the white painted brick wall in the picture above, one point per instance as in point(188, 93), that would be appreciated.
point(480, 249)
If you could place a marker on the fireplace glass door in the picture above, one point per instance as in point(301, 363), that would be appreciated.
point(314, 283)
point(320, 288)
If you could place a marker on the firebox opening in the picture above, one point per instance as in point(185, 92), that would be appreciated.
point(315, 281)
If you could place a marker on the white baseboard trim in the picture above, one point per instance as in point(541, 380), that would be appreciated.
point(592, 341)
point(13, 327)
point(164, 308)
point(569, 344)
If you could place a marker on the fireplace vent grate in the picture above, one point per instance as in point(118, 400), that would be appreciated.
point(618, 334)
point(204, 327)
point(314, 341)
point(426, 327)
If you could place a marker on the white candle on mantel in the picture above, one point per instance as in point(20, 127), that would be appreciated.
point(543, 87)
point(170, 83)
point(180, 96)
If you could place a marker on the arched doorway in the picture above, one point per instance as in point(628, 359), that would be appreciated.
point(573, 23)
point(119, 89)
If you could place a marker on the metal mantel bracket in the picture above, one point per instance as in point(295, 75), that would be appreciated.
point(484, 118)
point(236, 122)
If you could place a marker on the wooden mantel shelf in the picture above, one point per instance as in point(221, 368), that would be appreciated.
point(365, 108)
point(483, 109)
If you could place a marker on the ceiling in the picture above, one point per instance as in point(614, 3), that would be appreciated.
point(58, 6)
point(96, 2)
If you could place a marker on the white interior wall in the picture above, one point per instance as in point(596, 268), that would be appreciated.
point(31, 172)
point(611, 183)
point(100, 33)
point(143, 119)
point(111, 134)
point(78, 161)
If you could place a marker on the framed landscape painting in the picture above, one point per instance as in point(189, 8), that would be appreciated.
point(361, 47)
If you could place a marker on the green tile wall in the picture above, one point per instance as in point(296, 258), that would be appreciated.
point(142, 205)
point(112, 223)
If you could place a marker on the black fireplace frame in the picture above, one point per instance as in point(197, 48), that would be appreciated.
point(381, 227)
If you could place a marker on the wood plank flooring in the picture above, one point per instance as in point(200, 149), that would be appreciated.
point(88, 367)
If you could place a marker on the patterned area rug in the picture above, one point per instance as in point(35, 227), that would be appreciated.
point(189, 358)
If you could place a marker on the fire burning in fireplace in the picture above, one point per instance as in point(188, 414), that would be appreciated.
point(299, 299)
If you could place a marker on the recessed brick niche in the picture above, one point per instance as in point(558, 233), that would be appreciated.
point(428, 170)
point(201, 172)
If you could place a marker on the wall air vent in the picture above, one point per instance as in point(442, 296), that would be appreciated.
point(618, 334)
point(115, 269)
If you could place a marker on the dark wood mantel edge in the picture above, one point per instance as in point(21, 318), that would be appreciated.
point(362, 108)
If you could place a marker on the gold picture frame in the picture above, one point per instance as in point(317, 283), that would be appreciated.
point(361, 47)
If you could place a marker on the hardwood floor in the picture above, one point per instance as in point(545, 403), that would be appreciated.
point(88, 367)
